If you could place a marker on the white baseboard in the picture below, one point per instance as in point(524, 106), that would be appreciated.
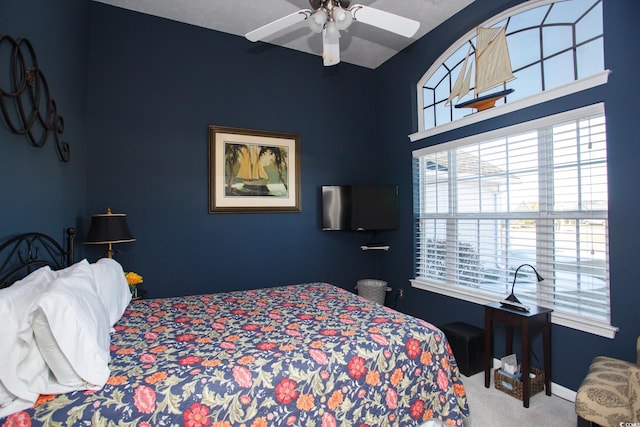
point(563, 392)
point(556, 389)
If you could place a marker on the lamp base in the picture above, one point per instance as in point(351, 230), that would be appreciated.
point(110, 251)
point(512, 302)
point(512, 298)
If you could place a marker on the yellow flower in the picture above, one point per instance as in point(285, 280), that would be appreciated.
point(133, 278)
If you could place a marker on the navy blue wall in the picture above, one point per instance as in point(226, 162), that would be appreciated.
point(39, 192)
point(396, 85)
point(154, 87)
point(138, 92)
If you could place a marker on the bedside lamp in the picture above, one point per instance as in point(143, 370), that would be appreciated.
point(512, 298)
point(107, 229)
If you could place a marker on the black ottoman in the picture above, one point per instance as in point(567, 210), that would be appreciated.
point(467, 343)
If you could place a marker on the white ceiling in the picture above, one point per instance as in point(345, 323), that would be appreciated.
point(360, 44)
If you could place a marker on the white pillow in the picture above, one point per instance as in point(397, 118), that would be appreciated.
point(11, 403)
point(51, 352)
point(69, 271)
point(71, 315)
point(6, 397)
point(112, 287)
point(21, 360)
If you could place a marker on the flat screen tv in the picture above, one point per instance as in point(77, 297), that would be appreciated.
point(359, 207)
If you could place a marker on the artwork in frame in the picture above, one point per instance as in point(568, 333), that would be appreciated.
point(253, 170)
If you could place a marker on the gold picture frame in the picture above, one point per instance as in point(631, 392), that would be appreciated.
point(253, 171)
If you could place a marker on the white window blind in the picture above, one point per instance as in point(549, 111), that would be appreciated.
point(535, 193)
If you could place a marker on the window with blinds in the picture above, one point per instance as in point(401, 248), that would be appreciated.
point(535, 193)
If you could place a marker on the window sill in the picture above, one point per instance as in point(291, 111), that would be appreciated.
point(573, 321)
point(547, 95)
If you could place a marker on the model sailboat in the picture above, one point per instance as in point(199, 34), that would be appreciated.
point(493, 68)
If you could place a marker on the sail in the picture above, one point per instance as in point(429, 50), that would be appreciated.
point(250, 164)
point(493, 66)
point(462, 85)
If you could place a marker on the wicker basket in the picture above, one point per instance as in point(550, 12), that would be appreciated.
point(513, 386)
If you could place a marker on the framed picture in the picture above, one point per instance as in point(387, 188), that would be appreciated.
point(253, 170)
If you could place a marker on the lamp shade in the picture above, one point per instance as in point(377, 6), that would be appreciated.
point(107, 229)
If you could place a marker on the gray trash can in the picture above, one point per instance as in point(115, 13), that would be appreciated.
point(372, 289)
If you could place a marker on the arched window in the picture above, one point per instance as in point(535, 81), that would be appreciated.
point(555, 48)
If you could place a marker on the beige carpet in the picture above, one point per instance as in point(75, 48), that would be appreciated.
point(493, 408)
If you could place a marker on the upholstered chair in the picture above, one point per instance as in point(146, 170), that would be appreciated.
point(610, 393)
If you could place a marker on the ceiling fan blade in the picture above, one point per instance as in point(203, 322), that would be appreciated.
point(277, 25)
point(387, 21)
point(330, 50)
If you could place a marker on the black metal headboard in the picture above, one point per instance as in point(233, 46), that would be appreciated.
point(27, 252)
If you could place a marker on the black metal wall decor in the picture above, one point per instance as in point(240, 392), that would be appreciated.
point(27, 106)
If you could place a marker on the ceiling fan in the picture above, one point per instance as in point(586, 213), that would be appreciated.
point(329, 17)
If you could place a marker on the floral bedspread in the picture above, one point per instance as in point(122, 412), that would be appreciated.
point(299, 355)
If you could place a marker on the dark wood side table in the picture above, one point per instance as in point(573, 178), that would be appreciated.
point(529, 322)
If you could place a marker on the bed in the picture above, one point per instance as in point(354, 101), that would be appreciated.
point(308, 354)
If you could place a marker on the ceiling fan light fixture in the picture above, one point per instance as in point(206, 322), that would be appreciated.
point(317, 20)
point(330, 51)
point(342, 18)
point(332, 32)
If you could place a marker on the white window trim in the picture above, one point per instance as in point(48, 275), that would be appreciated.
point(576, 113)
point(569, 320)
point(464, 293)
point(547, 95)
